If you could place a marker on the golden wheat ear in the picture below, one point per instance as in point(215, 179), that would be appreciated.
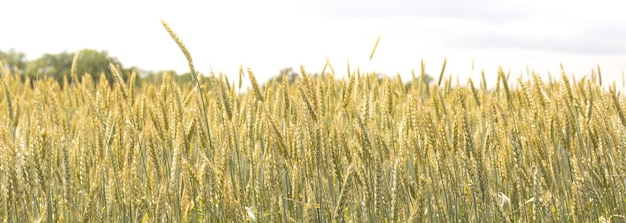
point(194, 76)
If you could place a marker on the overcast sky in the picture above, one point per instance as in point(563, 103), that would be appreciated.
point(272, 34)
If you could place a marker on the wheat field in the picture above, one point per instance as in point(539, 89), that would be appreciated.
point(320, 149)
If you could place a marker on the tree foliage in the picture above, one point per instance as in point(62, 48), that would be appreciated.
point(288, 73)
point(292, 75)
point(90, 62)
point(94, 63)
point(13, 60)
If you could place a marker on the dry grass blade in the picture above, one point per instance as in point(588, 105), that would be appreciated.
point(443, 70)
point(375, 46)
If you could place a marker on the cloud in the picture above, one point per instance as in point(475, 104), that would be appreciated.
point(606, 31)
point(489, 24)
point(592, 38)
point(488, 11)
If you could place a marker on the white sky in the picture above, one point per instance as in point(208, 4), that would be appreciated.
point(272, 34)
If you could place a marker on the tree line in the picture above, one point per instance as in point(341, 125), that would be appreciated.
point(89, 62)
point(96, 63)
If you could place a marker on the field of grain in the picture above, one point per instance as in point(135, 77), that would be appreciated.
point(320, 149)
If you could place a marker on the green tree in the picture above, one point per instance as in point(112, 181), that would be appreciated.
point(289, 73)
point(183, 80)
point(156, 77)
point(90, 62)
point(13, 60)
point(416, 80)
